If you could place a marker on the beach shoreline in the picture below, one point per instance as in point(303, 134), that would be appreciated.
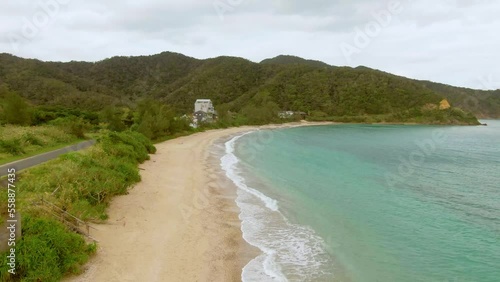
point(181, 222)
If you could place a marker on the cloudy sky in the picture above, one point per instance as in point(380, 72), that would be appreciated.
point(449, 41)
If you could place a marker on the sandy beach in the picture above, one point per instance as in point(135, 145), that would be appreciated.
point(180, 223)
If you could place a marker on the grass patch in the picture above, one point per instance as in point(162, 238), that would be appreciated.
point(18, 142)
point(12, 147)
point(84, 182)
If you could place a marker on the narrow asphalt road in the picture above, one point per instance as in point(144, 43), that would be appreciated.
point(38, 159)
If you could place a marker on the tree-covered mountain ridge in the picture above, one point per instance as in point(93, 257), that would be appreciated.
point(237, 85)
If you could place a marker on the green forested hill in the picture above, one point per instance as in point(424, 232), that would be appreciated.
point(234, 84)
point(484, 104)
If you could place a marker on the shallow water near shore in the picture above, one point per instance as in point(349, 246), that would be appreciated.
point(369, 202)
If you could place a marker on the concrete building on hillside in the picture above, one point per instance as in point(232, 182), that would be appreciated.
point(204, 112)
point(204, 105)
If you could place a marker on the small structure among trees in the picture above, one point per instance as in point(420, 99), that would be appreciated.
point(292, 115)
point(204, 112)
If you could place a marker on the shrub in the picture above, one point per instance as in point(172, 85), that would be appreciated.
point(128, 144)
point(47, 251)
point(12, 146)
point(31, 139)
point(73, 125)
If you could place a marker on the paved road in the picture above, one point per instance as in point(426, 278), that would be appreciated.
point(38, 159)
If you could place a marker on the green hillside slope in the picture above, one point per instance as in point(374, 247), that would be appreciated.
point(238, 85)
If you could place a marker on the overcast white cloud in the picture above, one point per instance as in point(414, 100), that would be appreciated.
point(450, 41)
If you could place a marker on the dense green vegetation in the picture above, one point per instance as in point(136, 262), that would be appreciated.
point(234, 84)
point(46, 252)
point(484, 104)
point(84, 182)
point(81, 183)
point(453, 116)
point(48, 126)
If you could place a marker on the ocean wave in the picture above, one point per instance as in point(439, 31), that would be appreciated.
point(228, 164)
point(289, 251)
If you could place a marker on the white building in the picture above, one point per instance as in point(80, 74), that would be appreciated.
point(204, 112)
point(286, 114)
point(292, 114)
point(204, 105)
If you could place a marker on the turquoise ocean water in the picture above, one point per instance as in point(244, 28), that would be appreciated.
point(370, 202)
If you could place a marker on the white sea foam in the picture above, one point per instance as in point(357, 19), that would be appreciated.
point(288, 250)
point(228, 164)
